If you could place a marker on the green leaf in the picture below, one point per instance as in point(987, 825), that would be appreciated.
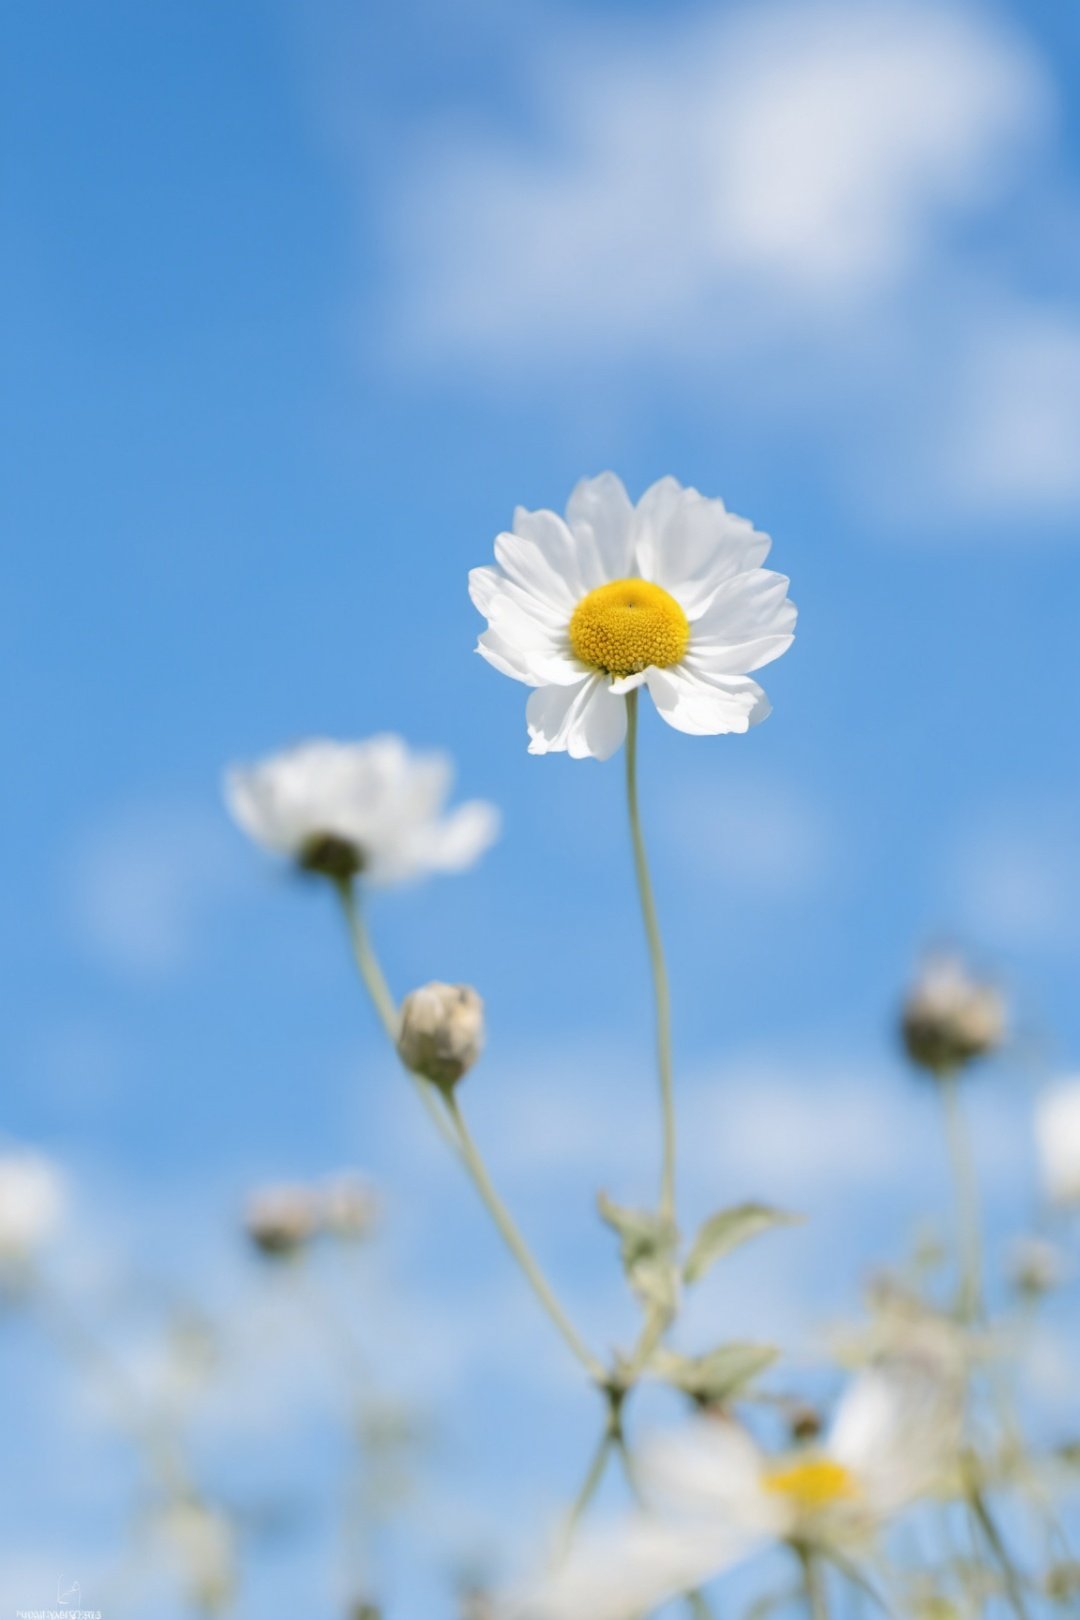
point(718, 1376)
point(647, 1244)
point(727, 1229)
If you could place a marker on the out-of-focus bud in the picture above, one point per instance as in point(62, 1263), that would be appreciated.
point(281, 1221)
point(330, 856)
point(1036, 1266)
point(804, 1423)
point(1063, 1582)
point(950, 1018)
point(442, 1032)
point(1057, 1136)
point(200, 1545)
point(349, 1207)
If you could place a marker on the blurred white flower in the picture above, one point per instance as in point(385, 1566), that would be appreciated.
point(715, 1497)
point(370, 807)
point(669, 594)
point(33, 1198)
point(1057, 1134)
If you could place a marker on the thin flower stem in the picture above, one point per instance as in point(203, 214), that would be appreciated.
point(817, 1602)
point(995, 1541)
point(514, 1241)
point(452, 1128)
point(368, 963)
point(966, 1198)
point(699, 1605)
point(383, 1001)
point(656, 962)
point(589, 1487)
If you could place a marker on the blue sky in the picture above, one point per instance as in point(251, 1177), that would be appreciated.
point(299, 303)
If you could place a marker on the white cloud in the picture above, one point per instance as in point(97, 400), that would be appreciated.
point(719, 177)
point(1015, 878)
point(764, 837)
point(142, 881)
point(1013, 421)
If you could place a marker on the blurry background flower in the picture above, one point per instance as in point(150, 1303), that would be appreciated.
point(371, 808)
point(33, 1198)
point(713, 1496)
point(1057, 1126)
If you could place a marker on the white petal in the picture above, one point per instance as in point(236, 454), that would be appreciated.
point(749, 621)
point(601, 516)
point(652, 515)
point(449, 845)
point(493, 592)
point(544, 556)
point(713, 1467)
point(690, 544)
point(706, 706)
point(629, 1571)
point(535, 667)
point(584, 721)
point(628, 683)
point(895, 1430)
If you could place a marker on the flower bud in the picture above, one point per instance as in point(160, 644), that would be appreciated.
point(951, 1018)
point(281, 1221)
point(804, 1423)
point(1036, 1266)
point(442, 1032)
point(330, 856)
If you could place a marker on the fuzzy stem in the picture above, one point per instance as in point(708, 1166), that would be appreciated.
point(966, 1199)
point(511, 1236)
point(661, 992)
point(817, 1602)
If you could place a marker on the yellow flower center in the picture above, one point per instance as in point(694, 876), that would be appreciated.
point(812, 1485)
point(627, 626)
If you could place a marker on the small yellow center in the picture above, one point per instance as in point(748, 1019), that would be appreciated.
point(628, 626)
point(812, 1485)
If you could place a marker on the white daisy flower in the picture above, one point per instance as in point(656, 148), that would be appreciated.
point(33, 1199)
point(373, 808)
point(715, 1497)
point(669, 594)
point(1057, 1136)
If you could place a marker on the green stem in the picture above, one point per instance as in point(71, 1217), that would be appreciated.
point(590, 1486)
point(995, 1541)
point(661, 992)
point(452, 1128)
point(817, 1602)
point(514, 1241)
point(966, 1199)
point(382, 998)
point(368, 963)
